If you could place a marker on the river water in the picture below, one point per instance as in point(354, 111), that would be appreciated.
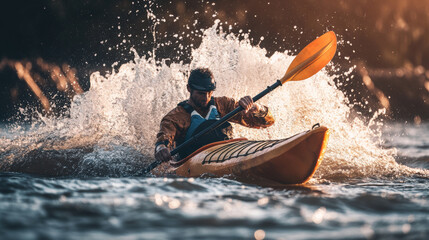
point(34, 207)
point(78, 177)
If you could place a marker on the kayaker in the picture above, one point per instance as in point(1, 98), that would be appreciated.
point(187, 119)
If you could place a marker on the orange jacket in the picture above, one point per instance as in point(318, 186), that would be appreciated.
point(174, 125)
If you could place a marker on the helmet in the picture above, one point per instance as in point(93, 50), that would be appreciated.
point(202, 79)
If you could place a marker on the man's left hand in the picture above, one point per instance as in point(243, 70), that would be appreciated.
point(248, 105)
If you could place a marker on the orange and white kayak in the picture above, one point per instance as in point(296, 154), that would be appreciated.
point(293, 160)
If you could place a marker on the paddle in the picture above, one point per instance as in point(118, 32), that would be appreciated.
point(309, 61)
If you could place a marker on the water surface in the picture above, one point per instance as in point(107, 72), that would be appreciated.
point(212, 208)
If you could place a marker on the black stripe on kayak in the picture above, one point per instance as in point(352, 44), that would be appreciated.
point(236, 149)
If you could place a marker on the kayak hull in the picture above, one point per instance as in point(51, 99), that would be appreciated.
point(273, 162)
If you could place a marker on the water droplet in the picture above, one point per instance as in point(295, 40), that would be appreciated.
point(174, 204)
point(318, 215)
point(259, 234)
point(263, 201)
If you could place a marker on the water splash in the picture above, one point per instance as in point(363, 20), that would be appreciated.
point(118, 118)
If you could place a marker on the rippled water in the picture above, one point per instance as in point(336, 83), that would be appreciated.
point(34, 207)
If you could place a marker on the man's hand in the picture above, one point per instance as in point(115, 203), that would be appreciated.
point(248, 105)
point(162, 153)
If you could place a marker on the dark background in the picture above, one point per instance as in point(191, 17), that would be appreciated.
point(383, 37)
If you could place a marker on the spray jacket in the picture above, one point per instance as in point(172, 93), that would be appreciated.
point(175, 125)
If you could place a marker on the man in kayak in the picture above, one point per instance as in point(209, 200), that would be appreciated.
point(186, 120)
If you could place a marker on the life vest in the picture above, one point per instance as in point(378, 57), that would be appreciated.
point(199, 123)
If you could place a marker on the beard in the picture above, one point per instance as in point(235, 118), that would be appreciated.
point(199, 104)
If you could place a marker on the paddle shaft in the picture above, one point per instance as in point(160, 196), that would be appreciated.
point(216, 124)
point(225, 118)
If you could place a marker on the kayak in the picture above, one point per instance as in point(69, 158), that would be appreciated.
point(293, 160)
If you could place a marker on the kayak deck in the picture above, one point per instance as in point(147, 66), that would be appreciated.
point(293, 160)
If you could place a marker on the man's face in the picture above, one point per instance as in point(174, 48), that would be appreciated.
point(201, 98)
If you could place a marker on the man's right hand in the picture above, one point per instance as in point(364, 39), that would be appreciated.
point(162, 153)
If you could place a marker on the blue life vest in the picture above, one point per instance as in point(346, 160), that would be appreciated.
point(199, 123)
point(197, 120)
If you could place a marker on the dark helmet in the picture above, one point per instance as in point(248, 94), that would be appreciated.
point(202, 79)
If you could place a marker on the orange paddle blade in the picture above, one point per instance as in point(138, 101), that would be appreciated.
point(312, 58)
